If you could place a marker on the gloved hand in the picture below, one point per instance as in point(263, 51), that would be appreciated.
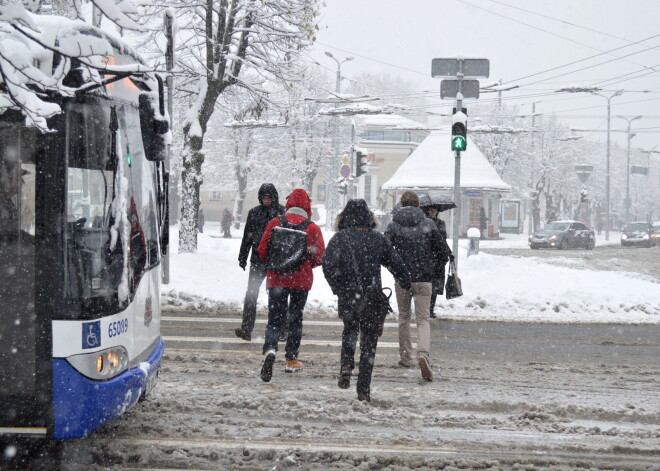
point(242, 264)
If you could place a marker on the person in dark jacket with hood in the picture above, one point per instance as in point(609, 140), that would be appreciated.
point(357, 238)
point(287, 292)
point(416, 238)
point(255, 224)
point(437, 286)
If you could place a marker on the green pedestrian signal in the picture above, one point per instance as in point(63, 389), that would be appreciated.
point(458, 143)
point(458, 136)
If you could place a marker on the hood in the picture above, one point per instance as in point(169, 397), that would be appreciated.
point(408, 216)
point(356, 214)
point(544, 232)
point(268, 189)
point(299, 199)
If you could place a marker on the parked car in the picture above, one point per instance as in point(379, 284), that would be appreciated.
point(563, 235)
point(638, 233)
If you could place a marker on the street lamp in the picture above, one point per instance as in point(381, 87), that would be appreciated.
point(339, 63)
point(593, 91)
point(630, 136)
point(333, 193)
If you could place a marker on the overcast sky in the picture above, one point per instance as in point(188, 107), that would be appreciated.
point(520, 38)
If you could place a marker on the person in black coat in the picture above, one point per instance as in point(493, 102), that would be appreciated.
point(356, 237)
point(416, 238)
point(437, 285)
point(257, 220)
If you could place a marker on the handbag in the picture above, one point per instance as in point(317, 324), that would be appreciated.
point(373, 301)
point(453, 287)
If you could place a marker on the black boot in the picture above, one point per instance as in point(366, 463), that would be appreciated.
point(345, 377)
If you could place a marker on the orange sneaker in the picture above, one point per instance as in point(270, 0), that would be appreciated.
point(292, 366)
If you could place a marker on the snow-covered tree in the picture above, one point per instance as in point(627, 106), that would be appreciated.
point(224, 44)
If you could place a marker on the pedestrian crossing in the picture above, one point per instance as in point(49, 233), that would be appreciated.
point(217, 333)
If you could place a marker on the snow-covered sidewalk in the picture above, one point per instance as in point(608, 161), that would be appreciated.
point(495, 287)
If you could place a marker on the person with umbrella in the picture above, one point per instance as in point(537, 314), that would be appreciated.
point(432, 205)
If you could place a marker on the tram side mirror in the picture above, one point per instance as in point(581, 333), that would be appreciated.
point(153, 124)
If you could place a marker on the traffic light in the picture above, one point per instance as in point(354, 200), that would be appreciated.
point(583, 196)
point(342, 187)
point(360, 164)
point(459, 130)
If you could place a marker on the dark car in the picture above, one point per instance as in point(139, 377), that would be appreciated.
point(638, 233)
point(563, 235)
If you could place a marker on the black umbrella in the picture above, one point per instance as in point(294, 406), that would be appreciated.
point(435, 200)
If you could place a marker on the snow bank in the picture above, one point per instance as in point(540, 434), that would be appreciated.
point(497, 288)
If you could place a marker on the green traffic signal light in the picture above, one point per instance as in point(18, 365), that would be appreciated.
point(458, 143)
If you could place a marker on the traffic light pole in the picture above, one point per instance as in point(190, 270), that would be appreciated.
point(457, 192)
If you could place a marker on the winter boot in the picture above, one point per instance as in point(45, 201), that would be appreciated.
point(241, 334)
point(267, 368)
point(425, 368)
point(364, 397)
point(292, 366)
point(345, 377)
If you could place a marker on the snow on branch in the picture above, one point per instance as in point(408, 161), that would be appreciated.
point(30, 43)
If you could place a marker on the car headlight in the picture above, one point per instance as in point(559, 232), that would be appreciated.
point(552, 237)
point(645, 236)
point(624, 237)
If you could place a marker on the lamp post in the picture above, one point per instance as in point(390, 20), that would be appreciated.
point(332, 193)
point(593, 91)
point(630, 136)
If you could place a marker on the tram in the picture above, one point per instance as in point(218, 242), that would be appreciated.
point(83, 229)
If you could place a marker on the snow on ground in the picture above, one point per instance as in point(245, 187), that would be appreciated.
point(496, 288)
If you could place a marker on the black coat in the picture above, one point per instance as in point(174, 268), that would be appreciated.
point(256, 222)
point(371, 249)
point(417, 239)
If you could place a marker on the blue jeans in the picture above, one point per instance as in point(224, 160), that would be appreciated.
point(283, 302)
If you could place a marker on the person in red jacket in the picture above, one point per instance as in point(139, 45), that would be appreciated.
point(287, 292)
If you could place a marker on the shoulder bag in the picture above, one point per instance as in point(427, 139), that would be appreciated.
point(453, 287)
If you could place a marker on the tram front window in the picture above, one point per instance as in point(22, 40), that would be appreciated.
point(17, 266)
point(94, 263)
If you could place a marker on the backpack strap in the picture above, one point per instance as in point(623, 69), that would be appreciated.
point(283, 221)
point(303, 225)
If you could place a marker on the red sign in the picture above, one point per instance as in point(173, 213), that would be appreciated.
point(345, 171)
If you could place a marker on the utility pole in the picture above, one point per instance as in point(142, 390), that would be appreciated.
point(532, 190)
point(169, 63)
point(630, 136)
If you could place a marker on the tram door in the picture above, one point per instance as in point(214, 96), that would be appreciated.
point(21, 386)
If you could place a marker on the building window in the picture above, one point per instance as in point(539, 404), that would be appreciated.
point(216, 195)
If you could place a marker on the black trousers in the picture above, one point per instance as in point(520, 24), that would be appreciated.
point(283, 302)
point(368, 330)
point(256, 278)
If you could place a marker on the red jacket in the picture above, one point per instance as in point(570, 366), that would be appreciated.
point(303, 278)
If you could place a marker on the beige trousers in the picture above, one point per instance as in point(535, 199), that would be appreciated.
point(421, 293)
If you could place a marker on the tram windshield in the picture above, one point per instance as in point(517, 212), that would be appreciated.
point(17, 260)
point(112, 236)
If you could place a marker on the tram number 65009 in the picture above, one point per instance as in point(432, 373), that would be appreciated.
point(117, 328)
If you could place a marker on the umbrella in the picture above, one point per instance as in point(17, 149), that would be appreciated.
point(434, 200)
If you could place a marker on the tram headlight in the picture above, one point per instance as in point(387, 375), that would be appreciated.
point(103, 364)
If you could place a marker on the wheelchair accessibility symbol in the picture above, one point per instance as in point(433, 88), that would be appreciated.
point(91, 334)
